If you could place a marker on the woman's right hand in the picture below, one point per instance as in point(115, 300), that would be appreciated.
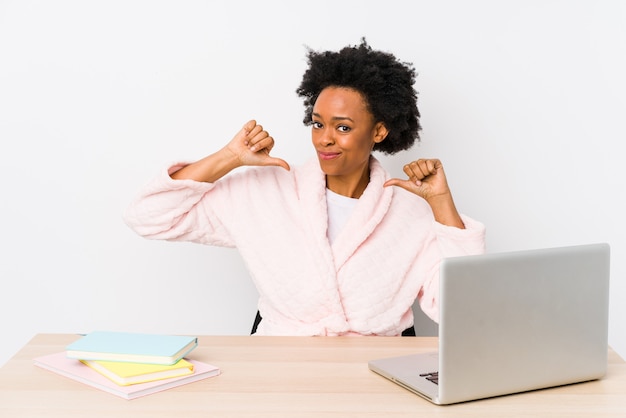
point(252, 145)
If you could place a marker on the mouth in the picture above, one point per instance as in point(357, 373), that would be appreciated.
point(327, 155)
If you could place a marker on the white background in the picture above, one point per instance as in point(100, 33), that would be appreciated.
point(524, 101)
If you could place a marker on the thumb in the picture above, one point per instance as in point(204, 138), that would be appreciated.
point(392, 182)
point(405, 184)
point(278, 162)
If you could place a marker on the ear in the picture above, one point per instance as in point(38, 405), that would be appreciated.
point(380, 132)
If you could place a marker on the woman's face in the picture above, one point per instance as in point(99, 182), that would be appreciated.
point(344, 134)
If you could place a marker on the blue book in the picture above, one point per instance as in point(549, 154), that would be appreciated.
point(131, 347)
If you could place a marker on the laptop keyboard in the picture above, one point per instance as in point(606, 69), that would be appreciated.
point(431, 377)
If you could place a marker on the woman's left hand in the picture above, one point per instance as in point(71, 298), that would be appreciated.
point(427, 179)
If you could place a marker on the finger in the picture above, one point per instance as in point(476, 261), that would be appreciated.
point(430, 166)
point(243, 133)
point(413, 171)
point(420, 169)
point(248, 126)
point(254, 133)
point(261, 142)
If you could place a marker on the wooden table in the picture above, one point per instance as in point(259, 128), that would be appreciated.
point(289, 377)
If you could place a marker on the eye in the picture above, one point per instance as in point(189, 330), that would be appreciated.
point(316, 125)
point(343, 128)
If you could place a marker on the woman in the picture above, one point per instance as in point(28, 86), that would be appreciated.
point(335, 247)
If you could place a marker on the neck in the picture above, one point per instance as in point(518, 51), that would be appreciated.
point(352, 186)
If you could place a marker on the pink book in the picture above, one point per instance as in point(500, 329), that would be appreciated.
point(74, 369)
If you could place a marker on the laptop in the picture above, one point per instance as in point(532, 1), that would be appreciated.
point(513, 322)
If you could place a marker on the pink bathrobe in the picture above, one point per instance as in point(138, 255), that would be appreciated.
point(386, 256)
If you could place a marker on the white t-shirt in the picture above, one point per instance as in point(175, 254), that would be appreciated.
point(339, 210)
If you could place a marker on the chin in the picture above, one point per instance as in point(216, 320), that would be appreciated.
point(327, 168)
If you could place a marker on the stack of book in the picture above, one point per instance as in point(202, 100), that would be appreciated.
point(129, 365)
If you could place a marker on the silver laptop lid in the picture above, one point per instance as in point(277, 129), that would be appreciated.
point(518, 321)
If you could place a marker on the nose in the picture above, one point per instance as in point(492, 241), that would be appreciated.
point(326, 137)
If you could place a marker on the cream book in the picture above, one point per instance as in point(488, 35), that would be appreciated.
point(78, 371)
point(125, 374)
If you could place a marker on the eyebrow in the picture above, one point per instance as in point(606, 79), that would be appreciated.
point(334, 118)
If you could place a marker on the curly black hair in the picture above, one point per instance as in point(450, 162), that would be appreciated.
point(385, 83)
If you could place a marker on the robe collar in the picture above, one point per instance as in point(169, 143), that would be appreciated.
point(368, 212)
